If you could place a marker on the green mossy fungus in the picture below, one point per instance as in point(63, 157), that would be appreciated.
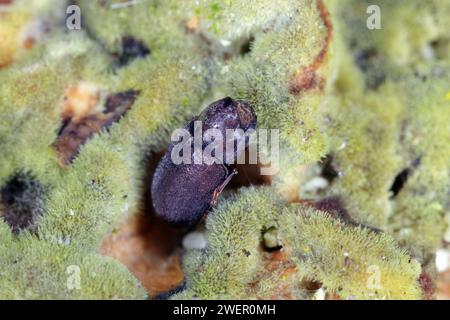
point(396, 121)
point(102, 186)
point(373, 102)
point(344, 259)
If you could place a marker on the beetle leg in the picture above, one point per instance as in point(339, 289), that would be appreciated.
point(220, 188)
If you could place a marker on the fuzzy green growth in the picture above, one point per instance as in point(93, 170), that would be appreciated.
point(264, 77)
point(375, 101)
point(233, 256)
point(395, 122)
point(84, 201)
point(352, 262)
point(63, 272)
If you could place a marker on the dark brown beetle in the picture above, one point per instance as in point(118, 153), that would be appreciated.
point(182, 193)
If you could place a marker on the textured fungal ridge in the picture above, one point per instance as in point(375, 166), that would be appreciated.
point(359, 204)
point(345, 260)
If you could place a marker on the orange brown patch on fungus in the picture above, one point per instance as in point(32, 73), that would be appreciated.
point(443, 287)
point(325, 16)
point(192, 24)
point(75, 134)
point(80, 122)
point(5, 62)
point(146, 248)
point(28, 43)
point(306, 78)
point(335, 296)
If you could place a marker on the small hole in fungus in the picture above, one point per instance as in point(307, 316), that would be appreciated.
point(246, 47)
point(402, 177)
point(328, 170)
point(399, 182)
point(311, 284)
point(270, 241)
point(364, 57)
point(21, 202)
point(440, 47)
point(132, 49)
point(368, 60)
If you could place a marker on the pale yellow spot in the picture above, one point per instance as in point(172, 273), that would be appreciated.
point(192, 24)
point(80, 101)
point(11, 25)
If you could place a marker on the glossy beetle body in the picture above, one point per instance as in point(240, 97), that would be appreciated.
point(182, 193)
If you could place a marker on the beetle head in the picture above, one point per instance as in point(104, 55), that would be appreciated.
point(228, 114)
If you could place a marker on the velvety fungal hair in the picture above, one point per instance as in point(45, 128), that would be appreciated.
point(369, 103)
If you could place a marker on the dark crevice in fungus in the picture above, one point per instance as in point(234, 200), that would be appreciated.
point(329, 172)
point(132, 49)
point(440, 47)
point(22, 202)
point(332, 206)
point(120, 103)
point(75, 132)
point(399, 182)
point(246, 47)
point(248, 175)
point(402, 177)
point(364, 57)
point(311, 284)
